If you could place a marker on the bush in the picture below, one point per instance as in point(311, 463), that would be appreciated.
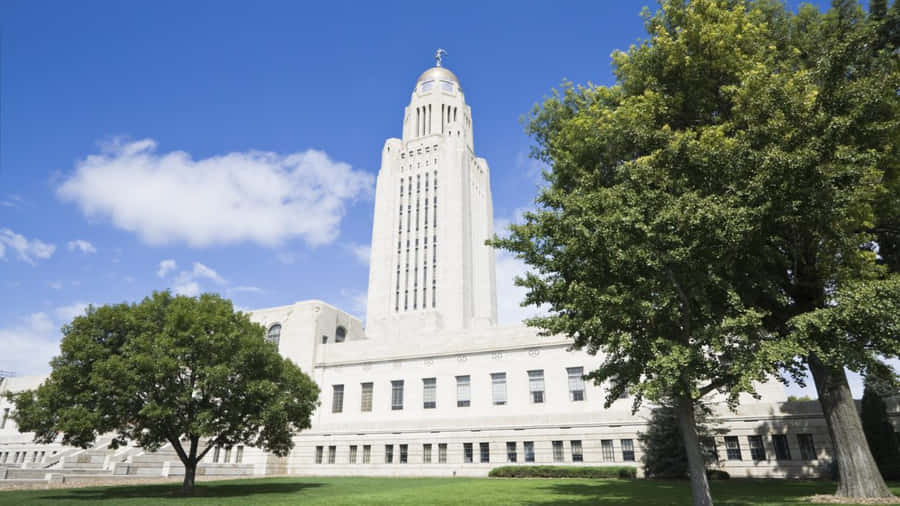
point(563, 472)
point(715, 474)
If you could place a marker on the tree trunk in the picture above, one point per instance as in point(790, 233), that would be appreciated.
point(858, 474)
point(696, 465)
point(190, 471)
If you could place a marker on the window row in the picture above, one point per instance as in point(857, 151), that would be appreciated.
point(225, 454)
point(779, 443)
point(21, 457)
point(536, 390)
point(273, 335)
point(437, 453)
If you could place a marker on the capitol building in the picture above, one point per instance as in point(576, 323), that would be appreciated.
point(431, 385)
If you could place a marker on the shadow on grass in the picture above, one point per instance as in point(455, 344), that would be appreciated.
point(737, 492)
point(220, 489)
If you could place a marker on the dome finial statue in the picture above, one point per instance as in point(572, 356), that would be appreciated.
point(438, 55)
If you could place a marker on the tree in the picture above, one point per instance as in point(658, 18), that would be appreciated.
point(188, 371)
point(716, 212)
point(881, 382)
point(664, 452)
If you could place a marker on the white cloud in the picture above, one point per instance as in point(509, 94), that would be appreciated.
point(188, 288)
point(26, 250)
point(56, 285)
point(510, 296)
point(165, 267)
point(356, 300)
point(362, 252)
point(82, 246)
point(253, 196)
point(202, 271)
point(188, 282)
point(248, 289)
point(29, 344)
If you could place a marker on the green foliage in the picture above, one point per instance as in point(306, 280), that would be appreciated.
point(801, 398)
point(664, 451)
point(563, 472)
point(881, 382)
point(169, 369)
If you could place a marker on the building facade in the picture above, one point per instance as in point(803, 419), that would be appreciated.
point(432, 386)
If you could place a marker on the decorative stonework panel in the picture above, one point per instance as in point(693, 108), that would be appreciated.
point(497, 355)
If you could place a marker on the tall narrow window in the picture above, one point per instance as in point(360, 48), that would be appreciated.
point(558, 451)
point(227, 455)
point(757, 450)
point(536, 385)
point(332, 454)
point(627, 450)
point(366, 397)
point(388, 454)
point(782, 450)
point(511, 454)
point(404, 453)
point(467, 453)
point(340, 334)
point(429, 392)
point(577, 455)
point(463, 391)
point(397, 394)
point(485, 451)
point(239, 455)
point(426, 453)
point(498, 388)
point(367, 454)
point(442, 453)
point(319, 454)
point(337, 399)
point(807, 447)
point(352, 457)
point(606, 450)
point(5, 418)
point(528, 448)
point(274, 334)
point(216, 451)
point(576, 383)
point(733, 448)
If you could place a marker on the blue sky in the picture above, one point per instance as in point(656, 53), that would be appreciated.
point(262, 124)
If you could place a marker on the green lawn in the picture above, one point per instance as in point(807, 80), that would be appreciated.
point(422, 491)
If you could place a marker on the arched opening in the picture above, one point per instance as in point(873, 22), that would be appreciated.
point(274, 334)
point(340, 334)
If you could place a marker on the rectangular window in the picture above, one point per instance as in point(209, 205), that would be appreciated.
point(467, 453)
point(576, 383)
point(367, 454)
point(708, 445)
point(442, 453)
point(337, 399)
point(732, 448)
point(463, 391)
point(536, 385)
point(498, 388)
point(319, 451)
point(807, 448)
point(5, 417)
point(627, 450)
point(227, 455)
point(485, 450)
point(388, 454)
point(782, 451)
point(429, 392)
point(577, 455)
point(352, 454)
point(528, 448)
point(558, 451)
point(606, 450)
point(511, 451)
point(216, 454)
point(396, 394)
point(404, 453)
point(426, 453)
point(757, 450)
point(332, 454)
point(239, 456)
point(366, 398)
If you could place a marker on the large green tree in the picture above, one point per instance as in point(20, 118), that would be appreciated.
point(188, 371)
point(713, 216)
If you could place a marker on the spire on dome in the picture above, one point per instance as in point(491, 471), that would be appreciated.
point(438, 55)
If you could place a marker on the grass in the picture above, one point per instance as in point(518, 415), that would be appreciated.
point(432, 491)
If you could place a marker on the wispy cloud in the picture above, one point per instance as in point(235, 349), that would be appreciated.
point(356, 300)
point(362, 253)
point(82, 246)
point(165, 267)
point(30, 343)
point(251, 196)
point(27, 250)
point(509, 295)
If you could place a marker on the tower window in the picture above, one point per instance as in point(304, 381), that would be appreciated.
point(274, 334)
point(340, 334)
